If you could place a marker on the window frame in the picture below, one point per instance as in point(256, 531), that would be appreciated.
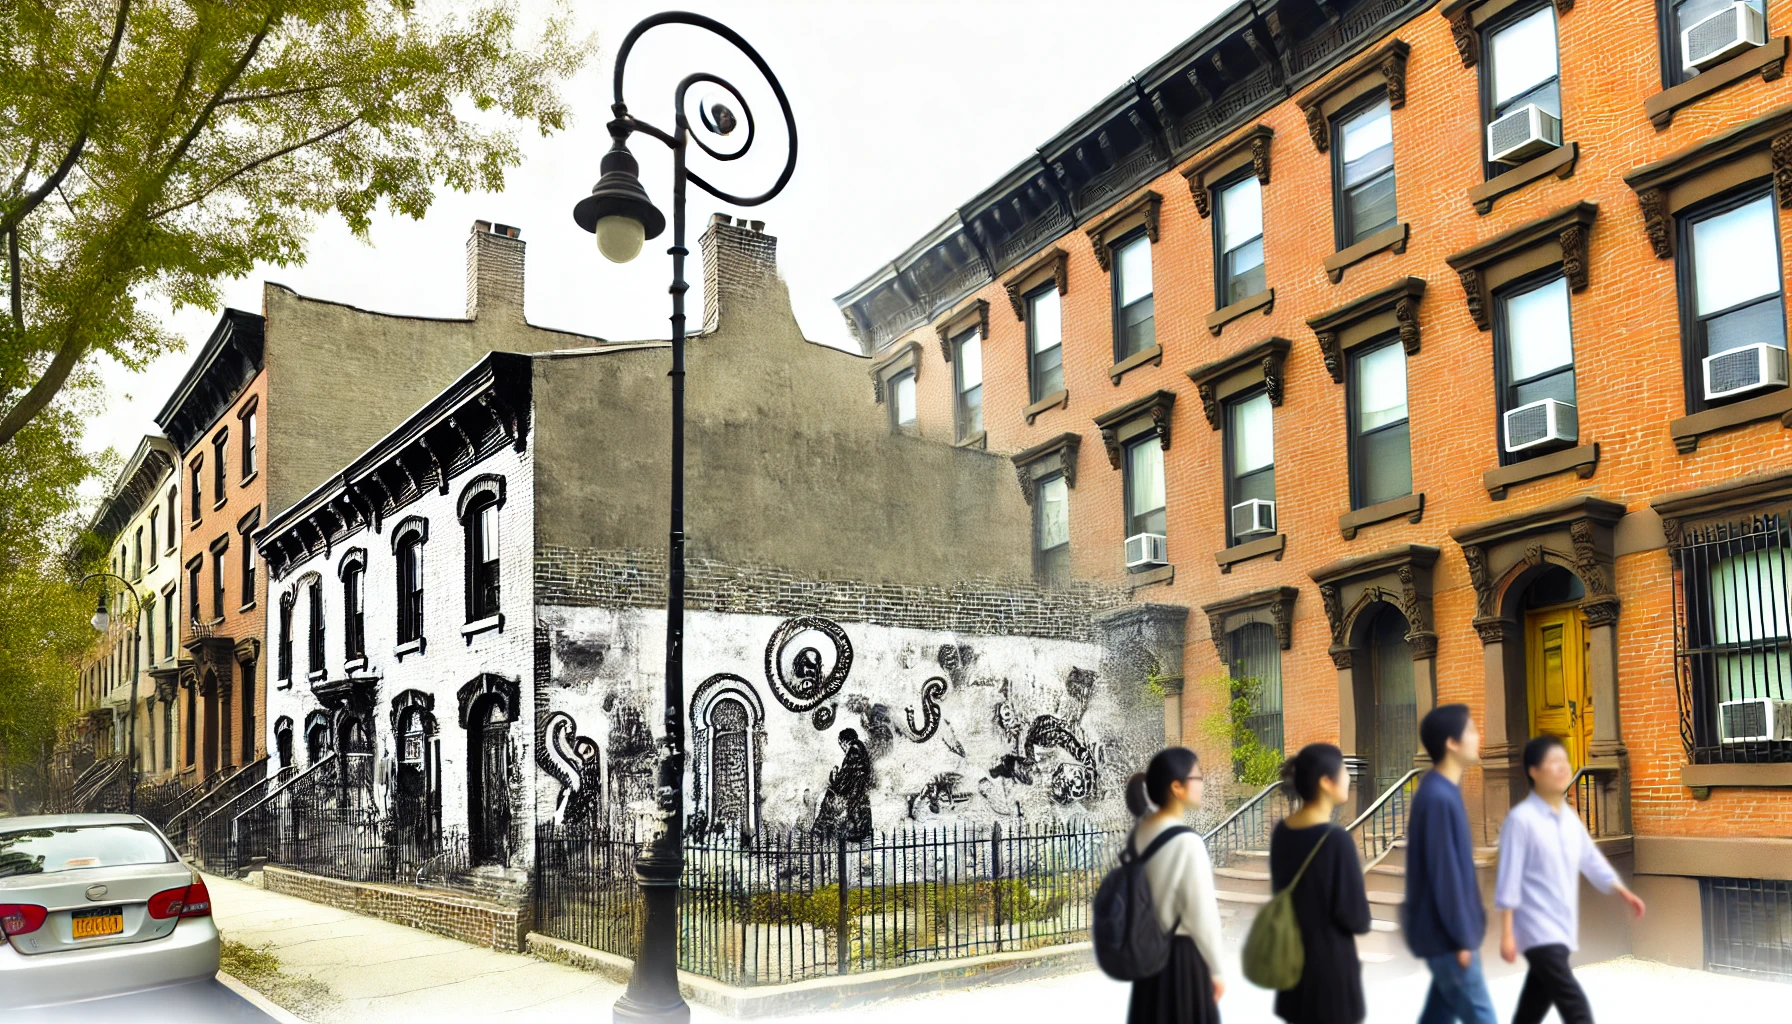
point(411, 606)
point(1117, 314)
point(1221, 292)
point(354, 610)
point(1040, 553)
point(1126, 484)
point(248, 456)
point(197, 497)
point(893, 386)
point(1352, 361)
point(1342, 237)
point(218, 551)
point(283, 655)
point(960, 414)
point(1668, 39)
point(1504, 20)
point(1502, 360)
point(482, 572)
point(1692, 345)
point(220, 467)
point(1229, 406)
point(316, 655)
point(1034, 394)
point(170, 599)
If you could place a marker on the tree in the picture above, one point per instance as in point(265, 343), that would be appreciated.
point(157, 146)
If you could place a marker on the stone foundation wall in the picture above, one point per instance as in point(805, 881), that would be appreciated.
point(458, 917)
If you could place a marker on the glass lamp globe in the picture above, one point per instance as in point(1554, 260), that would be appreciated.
point(619, 238)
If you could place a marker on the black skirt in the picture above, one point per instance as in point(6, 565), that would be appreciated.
point(1181, 994)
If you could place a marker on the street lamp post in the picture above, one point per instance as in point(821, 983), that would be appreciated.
point(101, 620)
point(622, 217)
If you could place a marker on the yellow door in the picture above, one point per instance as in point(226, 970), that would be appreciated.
point(1556, 679)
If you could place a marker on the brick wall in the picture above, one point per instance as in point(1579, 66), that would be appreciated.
point(475, 921)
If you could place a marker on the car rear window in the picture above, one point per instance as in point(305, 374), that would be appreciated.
point(74, 847)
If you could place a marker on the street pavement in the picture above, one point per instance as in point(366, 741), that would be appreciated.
point(340, 967)
point(209, 1002)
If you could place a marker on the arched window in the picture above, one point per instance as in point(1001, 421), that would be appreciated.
point(482, 560)
point(285, 653)
point(317, 738)
point(283, 742)
point(315, 601)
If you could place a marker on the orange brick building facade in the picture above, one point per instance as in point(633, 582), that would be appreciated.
point(1468, 558)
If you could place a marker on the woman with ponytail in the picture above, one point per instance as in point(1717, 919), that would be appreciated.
point(1181, 879)
point(1329, 901)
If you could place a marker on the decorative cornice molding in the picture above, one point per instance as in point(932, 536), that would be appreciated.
point(1158, 405)
point(1467, 34)
point(1400, 298)
point(1267, 357)
point(1278, 601)
point(1221, 162)
point(1566, 230)
point(1145, 207)
point(958, 322)
point(1655, 182)
point(1057, 455)
point(1387, 60)
point(901, 358)
point(1681, 509)
point(1022, 281)
point(1400, 576)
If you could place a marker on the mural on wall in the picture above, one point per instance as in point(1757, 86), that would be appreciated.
point(728, 725)
point(931, 692)
point(939, 796)
point(846, 807)
point(874, 718)
point(574, 762)
point(631, 755)
point(1071, 781)
point(822, 718)
point(806, 661)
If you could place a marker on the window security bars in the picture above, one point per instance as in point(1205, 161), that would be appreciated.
point(1732, 640)
point(768, 909)
point(1748, 927)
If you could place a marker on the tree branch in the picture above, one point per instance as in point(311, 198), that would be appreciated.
point(42, 192)
point(205, 113)
point(15, 285)
point(34, 401)
point(253, 164)
point(297, 90)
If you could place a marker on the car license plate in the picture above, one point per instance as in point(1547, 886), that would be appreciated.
point(98, 922)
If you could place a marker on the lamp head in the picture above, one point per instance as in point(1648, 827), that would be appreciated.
point(618, 210)
point(100, 618)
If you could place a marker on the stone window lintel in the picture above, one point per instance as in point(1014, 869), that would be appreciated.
point(1678, 509)
point(1230, 613)
point(1753, 149)
point(1384, 67)
point(1050, 265)
point(1142, 211)
point(973, 313)
point(1400, 575)
point(1554, 238)
point(904, 357)
point(1467, 16)
point(1057, 455)
point(1261, 363)
point(1148, 414)
point(1249, 149)
point(1395, 307)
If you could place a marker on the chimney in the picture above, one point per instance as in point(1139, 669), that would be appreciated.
point(494, 272)
point(740, 262)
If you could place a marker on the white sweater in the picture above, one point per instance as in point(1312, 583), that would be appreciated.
point(1181, 877)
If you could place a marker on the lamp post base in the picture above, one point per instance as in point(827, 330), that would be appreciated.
point(628, 1011)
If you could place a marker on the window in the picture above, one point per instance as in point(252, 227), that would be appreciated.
point(155, 514)
point(249, 440)
point(354, 612)
point(137, 554)
point(168, 602)
point(284, 658)
point(1250, 455)
point(1238, 237)
point(1045, 342)
point(1522, 69)
point(902, 400)
point(1677, 18)
point(1051, 529)
point(1737, 637)
point(1135, 328)
point(248, 571)
point(1380, 443)
point(217, 583)
point(195, 489)
point(220, 446)
point(1748, 926)
point(314, 610)
point(173, 518)
point(482, 550)
point(193, 590)
point(1145, 486)
point(1735, 294)
point(1535, 345)
point(1256, 660)
point(410, 590)
point(1364, 171)
point(149, 634)
point(968, 383)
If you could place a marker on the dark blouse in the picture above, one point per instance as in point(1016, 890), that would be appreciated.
point(1332, 909)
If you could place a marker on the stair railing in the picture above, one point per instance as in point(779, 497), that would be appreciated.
point(1590, 789)
point(1248, 827)
point(222, 790)
point(1384, 823)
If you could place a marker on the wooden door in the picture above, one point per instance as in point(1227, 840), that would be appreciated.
point(489, 785)
point(1560, 701)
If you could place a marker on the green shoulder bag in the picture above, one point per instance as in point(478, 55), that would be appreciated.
point(1273, 954)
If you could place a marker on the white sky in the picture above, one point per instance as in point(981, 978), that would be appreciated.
point(904, 111)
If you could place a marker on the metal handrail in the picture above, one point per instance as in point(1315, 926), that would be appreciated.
point(1253, 801)
point(1589, 807)
point(1245, 828)
point(329, 758)
point(1377, 809)
point(219, 787)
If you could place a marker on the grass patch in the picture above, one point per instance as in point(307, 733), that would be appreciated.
point(259, 968)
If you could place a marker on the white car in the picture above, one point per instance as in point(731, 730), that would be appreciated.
point(96, 905)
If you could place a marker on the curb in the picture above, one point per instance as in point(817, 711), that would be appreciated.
point(259, 1001)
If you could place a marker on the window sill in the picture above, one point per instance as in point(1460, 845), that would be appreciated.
point(1153, 355)
point(1219, 318)
point(216, 505)
point(1393, 238)
point(1151, 577)
point(485, 625)
point(246, 608)
point(1251, 549)
point(316, 675)
point(1412, 506)
point(1687, 430)
point(283, 684)
point(249, 479)
point(356, 664)
point(1583, 459)
point(408, 647)
point(1735, 776)
point(1558, 161)
point(1055, 400)
point(978, 440)
point(1769, 60)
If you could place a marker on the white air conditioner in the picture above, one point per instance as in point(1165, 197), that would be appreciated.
point(1741, 370)
point(1756, 720)
point(1523, 134)
point(1541, 423)
point(1722, 36)
point(1253, 517)
point(1145, 549)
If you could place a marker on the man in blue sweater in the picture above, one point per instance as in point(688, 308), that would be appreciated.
point(1443, 918)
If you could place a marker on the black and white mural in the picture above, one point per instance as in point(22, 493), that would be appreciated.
point(832, 727)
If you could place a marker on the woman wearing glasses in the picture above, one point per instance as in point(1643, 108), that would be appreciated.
point(1181, 878)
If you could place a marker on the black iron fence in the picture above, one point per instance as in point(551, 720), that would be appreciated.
point(356, 846)
point(786, 905)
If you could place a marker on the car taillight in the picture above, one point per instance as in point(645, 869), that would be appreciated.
point(187, 901)
point(21, 918)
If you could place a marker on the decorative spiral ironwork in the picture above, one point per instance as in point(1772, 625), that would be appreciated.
point(713, 119)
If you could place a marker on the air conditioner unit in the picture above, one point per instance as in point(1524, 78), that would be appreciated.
point(1539, 423)
point(1145, 549)
point(1756, 720)
point(1253, 517)
point(1741, 370)
point(1722, 36)
point(1523, 134)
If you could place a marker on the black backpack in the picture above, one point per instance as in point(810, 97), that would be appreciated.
point(1129, 943)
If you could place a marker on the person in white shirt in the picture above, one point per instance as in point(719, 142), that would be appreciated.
point(1181, 879)
point(1544, 851)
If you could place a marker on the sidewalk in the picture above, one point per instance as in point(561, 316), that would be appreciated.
point(363, 969)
